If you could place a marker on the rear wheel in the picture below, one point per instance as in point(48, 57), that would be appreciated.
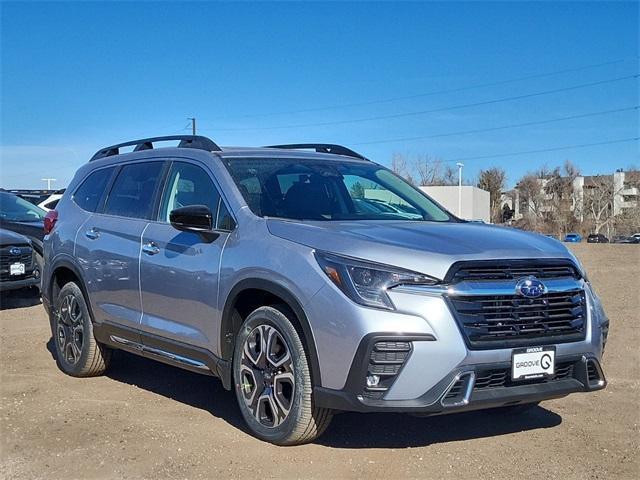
point(77, 351)
point(273, 382)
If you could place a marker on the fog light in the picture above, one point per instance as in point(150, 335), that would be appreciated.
point(36, 273)
point(373, 380)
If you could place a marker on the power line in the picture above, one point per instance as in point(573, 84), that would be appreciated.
point(502, 127)
point(543, 150)
point(427, 94)
point(434, 110)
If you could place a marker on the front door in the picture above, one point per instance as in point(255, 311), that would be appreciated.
point(179, 270)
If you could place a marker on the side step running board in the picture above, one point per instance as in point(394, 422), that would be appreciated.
point(172, 357)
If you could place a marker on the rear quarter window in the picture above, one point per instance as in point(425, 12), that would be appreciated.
point(91, 190)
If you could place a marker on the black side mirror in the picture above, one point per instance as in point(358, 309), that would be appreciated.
point(192, 218)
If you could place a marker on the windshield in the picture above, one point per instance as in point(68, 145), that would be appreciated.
point(16, 209)
point(321, 190)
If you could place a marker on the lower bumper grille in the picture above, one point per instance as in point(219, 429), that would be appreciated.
point(385, 362)
point(502, 377)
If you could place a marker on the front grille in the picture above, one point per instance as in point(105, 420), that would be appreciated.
point(501, 377)
point(510, 320)
point(6, 259)
point(511, 270)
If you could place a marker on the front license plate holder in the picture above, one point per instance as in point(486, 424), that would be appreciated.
point(533, 362)
point(16, 269)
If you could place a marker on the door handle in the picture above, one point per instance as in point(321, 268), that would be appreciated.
point(150, 248)
point(92, 233)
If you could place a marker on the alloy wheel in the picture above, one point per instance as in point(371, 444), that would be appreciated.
point(267, 381)
point(70, 329)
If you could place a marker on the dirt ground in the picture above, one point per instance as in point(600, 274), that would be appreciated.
point(147, 420)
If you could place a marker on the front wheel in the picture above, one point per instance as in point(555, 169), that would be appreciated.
point(273, 382)
point(77, 351)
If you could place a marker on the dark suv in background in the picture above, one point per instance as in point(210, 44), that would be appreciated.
point(18, 267)
point(597, 238)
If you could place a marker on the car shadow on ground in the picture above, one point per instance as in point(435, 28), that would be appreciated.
point(25, 297)
point(348, 430)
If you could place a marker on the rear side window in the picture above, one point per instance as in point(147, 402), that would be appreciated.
point(133, 191)
point(89, 193)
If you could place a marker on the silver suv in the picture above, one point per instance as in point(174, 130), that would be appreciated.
point(310, 280)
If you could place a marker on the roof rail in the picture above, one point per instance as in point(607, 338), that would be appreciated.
point(321, 148)
point(186, 141)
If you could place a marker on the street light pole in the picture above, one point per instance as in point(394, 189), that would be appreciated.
point(460, 165)
point(48, 180)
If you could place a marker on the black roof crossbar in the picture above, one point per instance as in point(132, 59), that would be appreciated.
point(321, 148)
point(186, 141)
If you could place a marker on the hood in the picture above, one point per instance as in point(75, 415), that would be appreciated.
point(425, 247)
point(8, 237)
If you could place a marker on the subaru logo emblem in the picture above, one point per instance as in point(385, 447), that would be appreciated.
point(530, 287)
point(15, 251)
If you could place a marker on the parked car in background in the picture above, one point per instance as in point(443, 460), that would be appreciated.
point(625, 239)
point(51, 202)
point(573, 238)
point(21, 216)
point(18, 267)
point(597, 238)
point(551, 235)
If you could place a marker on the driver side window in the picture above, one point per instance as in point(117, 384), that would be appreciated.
point(188, 184)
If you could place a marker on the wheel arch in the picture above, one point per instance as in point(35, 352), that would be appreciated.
point(249, 294)
point(64, 271)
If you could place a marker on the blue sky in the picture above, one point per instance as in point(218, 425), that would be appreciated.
point(79, 76)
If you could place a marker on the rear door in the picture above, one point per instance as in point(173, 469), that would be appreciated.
point(179, 270)
point(108, 244)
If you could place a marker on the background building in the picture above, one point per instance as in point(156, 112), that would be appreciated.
point(475, 201)
point(589, 202)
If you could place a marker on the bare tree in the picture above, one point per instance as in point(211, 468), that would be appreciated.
point(450, 176)
point(532, 198)
point(433, 171)
point(598, 201)
point(428, 169)
point(400, 166)
point(560, 198)
point(493, 180)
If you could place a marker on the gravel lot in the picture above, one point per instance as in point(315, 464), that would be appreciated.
point(147, 420)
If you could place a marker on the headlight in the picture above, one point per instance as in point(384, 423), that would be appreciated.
point(367, 283)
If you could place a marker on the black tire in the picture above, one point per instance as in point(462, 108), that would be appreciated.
point(39, 261)
point(77, 351)
point(288, 384)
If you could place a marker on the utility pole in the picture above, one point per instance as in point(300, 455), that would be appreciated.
point(48, 180)
point(460, 165)
point(193, 125)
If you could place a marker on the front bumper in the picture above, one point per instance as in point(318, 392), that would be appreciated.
point(466, 388)
point(30, 281)
point(438, 354)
